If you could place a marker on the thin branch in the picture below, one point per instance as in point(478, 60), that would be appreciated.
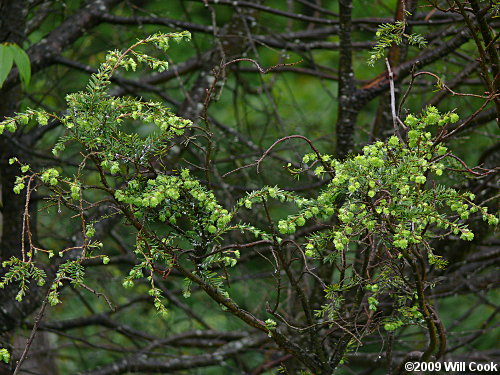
point(396, 121)
point(36, 324)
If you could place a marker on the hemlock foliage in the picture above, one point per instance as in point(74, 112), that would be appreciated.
point(385, 199)
point(250, 196)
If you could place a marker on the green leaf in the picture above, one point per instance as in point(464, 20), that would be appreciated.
point(6, 60)
point(22, 62)
point(4, 355)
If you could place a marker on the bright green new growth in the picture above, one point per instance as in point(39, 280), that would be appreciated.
point(4, 355)
point(94, 121)
point(385, 192)
point(384, 198)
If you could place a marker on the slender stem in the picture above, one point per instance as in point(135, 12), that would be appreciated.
point(36, 324)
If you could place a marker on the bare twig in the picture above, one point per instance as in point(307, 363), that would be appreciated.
point(36, 324)
point(396, 121)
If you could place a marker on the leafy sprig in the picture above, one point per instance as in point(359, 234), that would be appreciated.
point(389, 34)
